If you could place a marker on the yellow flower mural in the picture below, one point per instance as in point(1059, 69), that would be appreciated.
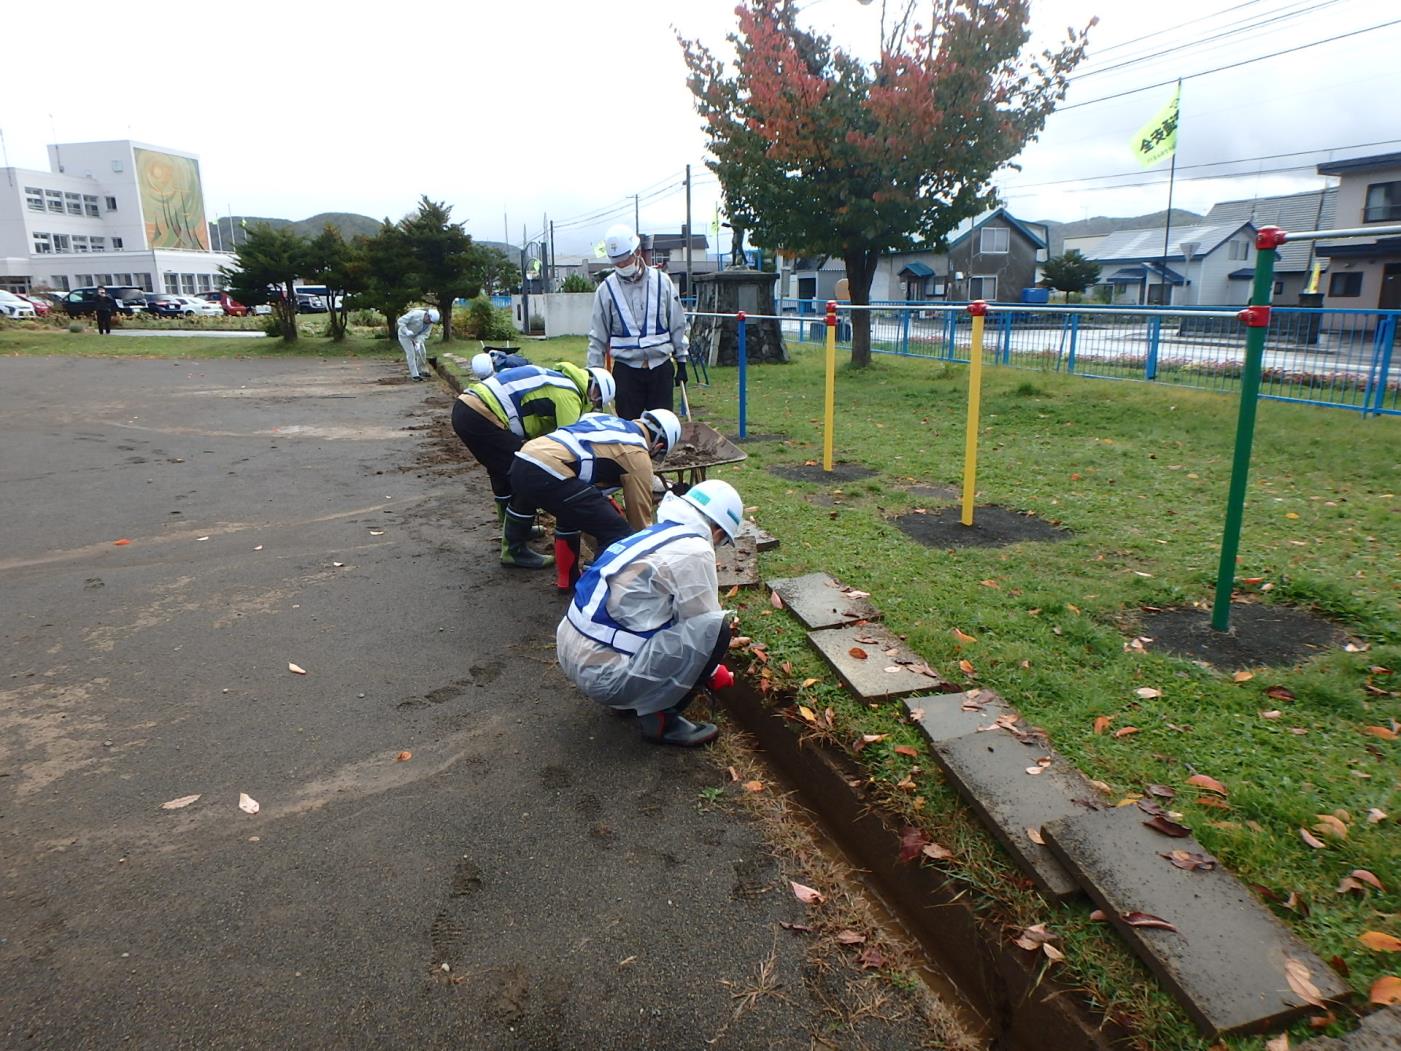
point(172, 200)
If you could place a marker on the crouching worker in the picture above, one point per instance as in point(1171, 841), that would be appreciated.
point(644, 633)
point(566, 473)
point(494, 359)
point(495, 416)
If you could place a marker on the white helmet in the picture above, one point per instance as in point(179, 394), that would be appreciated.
point(719, 502)
point(483, 366)
point(663, 424)
point(620, 241)
point(433, 315)
point(607, 389)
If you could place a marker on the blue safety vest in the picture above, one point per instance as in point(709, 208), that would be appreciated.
point(650, 330)
point(588, 612)
point(511, 387)
point(595, 428)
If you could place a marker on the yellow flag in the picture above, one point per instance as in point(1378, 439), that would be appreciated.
point(600, 251)
point(1158, 138)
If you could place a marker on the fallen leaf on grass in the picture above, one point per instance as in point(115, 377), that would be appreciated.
point(1052, 953)
point(247, 803)
point(775, 600)
point(753, 786)
point(1102, 787)
point(1297, 975)
point(967, 668)
point(867, 739)
point(176, 804)
point(1168, 828)
point(857, 652)
point(806, 683)
point(1147, 693)
point(1146, 919)
point(1161, 791)
point(1375, 815)
point(1380, 731)
point(403, 757)
point(732, 592)
point(1125, 731)
point(806, 895)
point(1385, 990)
point(1278, 1043)
point(1213, 803)
point(295, 669)
point(1034, 937)
point(850, 937)
point(740, 641)
point(1330, 826)
point(906, 750)
point(1102, 723)
point(807, 713)
point(1379, 942)
point(1312, 840)
point(936, 852)
point(871, 959)
point(1208, 784)
point(1190, 860)
point(912, 843)
point(1273, 713)
point(1280, 693)
point(962, 638)
point(1363, 876)
point(1243, 676)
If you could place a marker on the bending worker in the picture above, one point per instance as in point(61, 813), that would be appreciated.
point(490, 362)
point(496, 416)
point(414, 329)
point(638, 317)
point(566, 472)
point(644, 632)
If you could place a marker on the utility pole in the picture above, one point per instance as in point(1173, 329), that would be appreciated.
point(688, 230)
point(636, 212)
point(554, 268)
point(545, 246)
point(525, 288)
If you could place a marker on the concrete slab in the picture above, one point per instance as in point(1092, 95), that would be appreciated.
point(1379, 1031)
point(1226, 960)
point(763, 539)
point(737, 563)
point(989, 770)
point(819, 601)
point(872, 677)
point(944, 716)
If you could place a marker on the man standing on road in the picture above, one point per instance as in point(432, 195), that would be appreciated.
point(105, 306)
point(644, 633)
point(496, 416)
point(414, 329)
point(566, 473)
point(637, 316)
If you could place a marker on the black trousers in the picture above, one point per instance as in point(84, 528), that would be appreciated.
point(494, 447)
point(643, 389)
point(577, 506)
point(722, 647)
point(104, 322)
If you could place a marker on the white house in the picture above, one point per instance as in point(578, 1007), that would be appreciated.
point(1202, 265)
point(115, 213)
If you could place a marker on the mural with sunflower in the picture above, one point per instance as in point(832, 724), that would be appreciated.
point(172, 200)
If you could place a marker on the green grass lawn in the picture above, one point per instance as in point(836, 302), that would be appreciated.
point(1139, 474)
point(42, 339)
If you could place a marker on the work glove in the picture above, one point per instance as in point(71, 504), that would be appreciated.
point(721, 677)
point(681, 376)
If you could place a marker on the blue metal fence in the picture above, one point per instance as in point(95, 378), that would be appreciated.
point(1337, 358)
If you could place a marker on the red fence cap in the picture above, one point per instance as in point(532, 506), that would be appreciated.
point(1257, 316)
point(1270, 237)
point(978, 308)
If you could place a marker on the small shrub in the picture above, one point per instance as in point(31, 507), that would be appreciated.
point(576, 283)
point(271, 327)
point(481, 320)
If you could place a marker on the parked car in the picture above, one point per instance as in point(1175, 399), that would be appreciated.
point(196, 307)
point(228, 303)
point(321, 293)
point(163, 304)
point(41, 306)
point(130, 300)
point(14, 306)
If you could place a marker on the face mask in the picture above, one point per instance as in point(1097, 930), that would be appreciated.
point(629, 271)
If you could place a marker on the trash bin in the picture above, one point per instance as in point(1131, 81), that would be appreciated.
point(1036, 296)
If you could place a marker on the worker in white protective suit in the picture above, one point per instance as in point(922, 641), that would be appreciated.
point(644, 633)
point(414, 329)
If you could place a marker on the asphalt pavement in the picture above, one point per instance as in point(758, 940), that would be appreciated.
point(529, 875)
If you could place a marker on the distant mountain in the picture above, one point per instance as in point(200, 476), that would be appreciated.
point(1103, 224)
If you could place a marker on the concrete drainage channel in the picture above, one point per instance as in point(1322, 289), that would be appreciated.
point(1016, 1005)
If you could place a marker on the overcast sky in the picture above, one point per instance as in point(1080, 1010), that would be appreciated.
point(511, 112)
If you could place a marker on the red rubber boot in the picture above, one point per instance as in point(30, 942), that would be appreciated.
point(566, 560)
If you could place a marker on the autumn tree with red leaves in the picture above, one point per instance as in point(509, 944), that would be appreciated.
point(819, 152)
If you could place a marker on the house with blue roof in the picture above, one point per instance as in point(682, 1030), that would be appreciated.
point(1208, 264)
point(992, 256)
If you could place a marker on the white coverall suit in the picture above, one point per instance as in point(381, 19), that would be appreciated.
point(645, 618)
point(414, 329)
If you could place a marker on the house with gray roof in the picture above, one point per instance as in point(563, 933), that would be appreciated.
point(1364, 273)
point(1312, 210)
point(1208, 264)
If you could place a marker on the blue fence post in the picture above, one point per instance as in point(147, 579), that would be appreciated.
point(950, 334)
point(1074, 338)
point(1006, 339)
point(1155, 331)
point(1380, 370)
point(743, 373)
point(905, 334)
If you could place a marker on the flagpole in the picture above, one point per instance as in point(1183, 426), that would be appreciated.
point(1167, 221)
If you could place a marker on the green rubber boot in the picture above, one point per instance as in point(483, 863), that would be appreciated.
point(515, 535)
point(537, 531)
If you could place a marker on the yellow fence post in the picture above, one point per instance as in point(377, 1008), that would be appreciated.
point(829, 423)
point(979, 310)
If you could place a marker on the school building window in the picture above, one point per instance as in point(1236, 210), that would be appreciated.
point(59, 281)
point(54, 199)
point(187, 284)
point(144, 282)
point(62, 243)
point(34, 198)
point(172, 284)
point(43, 244)
point(80, 242)
point(90, 205)
point(99, 244)
point(1345, 286)
point(75, 203)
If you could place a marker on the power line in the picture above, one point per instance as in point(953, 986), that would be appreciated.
point(1194, 178)
point(1232, 65)
point(1180, 25)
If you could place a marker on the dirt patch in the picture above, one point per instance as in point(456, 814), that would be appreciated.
point(1260, 635)
point(840, 472)
point(758, 437)
point(701, 446)
point(936, 493)
point(992, 527)
point(392, 381)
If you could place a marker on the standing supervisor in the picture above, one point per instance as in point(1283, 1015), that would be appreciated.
point(638, 318)
point(414, 329)
point(644, 632)
point(105, 306)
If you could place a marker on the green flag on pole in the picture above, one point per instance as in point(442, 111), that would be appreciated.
point(1158, 138)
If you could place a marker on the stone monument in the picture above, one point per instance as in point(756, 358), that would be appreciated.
point(736, 288)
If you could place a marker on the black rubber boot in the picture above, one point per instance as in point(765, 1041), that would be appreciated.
point(515, 535)
point(671, 727)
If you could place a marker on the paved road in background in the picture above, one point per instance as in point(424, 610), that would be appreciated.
point(319, 512)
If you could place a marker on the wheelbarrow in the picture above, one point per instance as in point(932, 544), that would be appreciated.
point(701, 447)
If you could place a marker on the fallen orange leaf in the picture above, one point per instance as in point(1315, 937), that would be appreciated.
point(1380, 731)
point(967, 668)
point(120, 543)
point(857, 652)
point(403, 757)
point(1208, 784)
point(963, 638)
point(1379, 942)
point(906, 750)
point(806, 895)
point(1102, 723)
point(1312, 840)
point(1124, 731)
point(753, 786)
point(1386, 990)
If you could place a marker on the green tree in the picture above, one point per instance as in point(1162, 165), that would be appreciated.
point(388, 282)
point(266, 266)
point(447, 265)
point(335, 264)
point(1070, 272)
point(576, 283)
point(823, 153)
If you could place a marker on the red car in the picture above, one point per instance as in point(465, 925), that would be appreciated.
point(231, 306)
point(41, 305)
